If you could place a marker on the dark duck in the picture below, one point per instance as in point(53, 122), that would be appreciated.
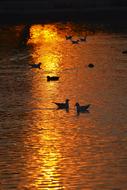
point(82, 109)
point(69, 37)
point(74, 41)
point(36, 65)
point(52, 78)
point(64, 105)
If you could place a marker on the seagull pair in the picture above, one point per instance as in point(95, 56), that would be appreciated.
point(79, 109)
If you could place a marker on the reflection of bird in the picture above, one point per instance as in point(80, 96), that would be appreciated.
point(75, 41)
point(83, 39)
point(81, 108)
point(36, 65)
point(63, 105)
point(68, 37)
point(52, 78)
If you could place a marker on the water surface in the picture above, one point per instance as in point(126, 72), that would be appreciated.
point(44, 148)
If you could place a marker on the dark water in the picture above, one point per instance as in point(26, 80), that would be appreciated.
point(42, 148)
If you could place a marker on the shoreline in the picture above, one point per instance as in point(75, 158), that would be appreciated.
point(111, 15)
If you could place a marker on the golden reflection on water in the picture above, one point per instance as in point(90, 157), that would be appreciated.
point(45, 41)
point(49, 158)
point(43, 162)
point(50, 164)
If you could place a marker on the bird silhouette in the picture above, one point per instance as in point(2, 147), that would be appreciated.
point(68, 37)
point(36, 65)
point(74, 41)
point(90, 65)
point(52, 78)
point(83, 39)
point(64, 105)
point(82, 109)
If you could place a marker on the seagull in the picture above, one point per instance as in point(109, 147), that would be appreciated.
point(83, 39)
point(36, 65)
point(68, 37)
point(91, 65)
point(52, 78)
point(82, 109)
point(63, 105)
point(74, 41)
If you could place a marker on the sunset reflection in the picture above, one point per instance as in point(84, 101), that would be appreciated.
point(50, 157)
point(50, 160)
point(46, 49)
point(46, 42)
point(43, 162)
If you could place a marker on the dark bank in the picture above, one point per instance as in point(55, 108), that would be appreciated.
point(39, 11)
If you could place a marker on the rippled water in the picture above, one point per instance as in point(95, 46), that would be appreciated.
point(44, 148)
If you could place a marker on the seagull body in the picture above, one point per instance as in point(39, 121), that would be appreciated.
point(52, 78)
point(83, 39)
point(75, 41)
point(91, 65)
point(63, 105)
point(68, 37)
point(81, 109)
point(36, 65)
